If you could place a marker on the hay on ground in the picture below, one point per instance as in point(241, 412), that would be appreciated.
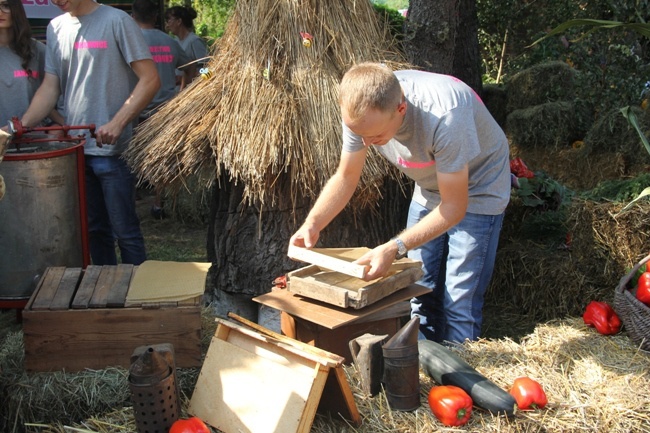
point(593, 383)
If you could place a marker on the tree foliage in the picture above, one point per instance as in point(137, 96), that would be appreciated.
point(612, 65)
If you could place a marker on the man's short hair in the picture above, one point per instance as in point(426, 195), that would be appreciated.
point(369, 86)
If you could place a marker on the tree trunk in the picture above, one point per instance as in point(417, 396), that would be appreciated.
point(247, 244)
point(442, 36)
point(430, 34)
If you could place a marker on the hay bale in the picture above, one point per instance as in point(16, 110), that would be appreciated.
point(541, 84)
point(549, 125)
point(495, 97)
point(548, 279)
point(613, 133)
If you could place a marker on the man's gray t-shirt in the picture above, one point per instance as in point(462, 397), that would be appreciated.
point(445, 127)
point(16, 85)
point(91, 55)
point(168, 55)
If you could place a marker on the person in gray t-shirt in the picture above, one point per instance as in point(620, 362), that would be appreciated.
point(98, 60)
point(179, 20)
point(22, 61)
point(437, 131)
point(168, 55)
point(165, 50)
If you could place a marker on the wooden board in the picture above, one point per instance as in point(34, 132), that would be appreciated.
point(330, 316)
point(342, 260)
point(345, 291)
point(254, 381)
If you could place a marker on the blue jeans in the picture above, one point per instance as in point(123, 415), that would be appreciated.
point(457, 267)
point(110, 196)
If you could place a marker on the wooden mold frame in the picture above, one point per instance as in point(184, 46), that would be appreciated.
point(325, 280)
point(255, 380)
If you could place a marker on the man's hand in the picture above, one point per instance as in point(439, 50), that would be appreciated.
point(305, 237)
point(108, 134)
point(378, 260)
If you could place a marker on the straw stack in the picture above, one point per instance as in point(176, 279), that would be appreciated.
point(269, 107)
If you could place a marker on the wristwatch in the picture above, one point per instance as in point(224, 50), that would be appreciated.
point(401, 249)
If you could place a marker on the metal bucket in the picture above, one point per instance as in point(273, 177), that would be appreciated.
point(42, 215)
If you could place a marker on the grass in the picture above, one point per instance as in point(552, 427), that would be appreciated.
point(170, 239)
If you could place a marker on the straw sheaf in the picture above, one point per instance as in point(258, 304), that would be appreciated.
point(270, 107)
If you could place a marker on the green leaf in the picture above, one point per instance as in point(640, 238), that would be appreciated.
point(640, 28)
point(644, 193)
point(631, 117)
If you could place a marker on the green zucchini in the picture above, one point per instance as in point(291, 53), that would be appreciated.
point(447, 368)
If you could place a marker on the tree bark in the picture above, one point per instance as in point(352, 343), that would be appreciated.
point(442, 36)
point(430, 34)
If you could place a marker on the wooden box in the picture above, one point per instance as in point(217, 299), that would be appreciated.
point(76, 319)
point(331, 328)
point(334, 276)
point(345, 291)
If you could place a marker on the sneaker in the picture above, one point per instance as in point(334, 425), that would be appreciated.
point(158, 213)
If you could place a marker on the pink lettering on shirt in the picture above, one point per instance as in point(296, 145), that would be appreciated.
point(478, 98)
point(21, 73)
point(411, 164)
point(91, 45)
point(163, 58)
point(160, 49)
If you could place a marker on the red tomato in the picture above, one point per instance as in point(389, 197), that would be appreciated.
point(528, 394)
point(643, 288)
point(190, 425)
point(450, 404)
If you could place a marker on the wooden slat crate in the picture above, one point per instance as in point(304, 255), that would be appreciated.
point(345, 291)
point(76, 319)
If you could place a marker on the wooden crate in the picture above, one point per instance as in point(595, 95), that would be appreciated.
point(76, 319)
point(345, 291)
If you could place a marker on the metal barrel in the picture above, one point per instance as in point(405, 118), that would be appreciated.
point(42, 215)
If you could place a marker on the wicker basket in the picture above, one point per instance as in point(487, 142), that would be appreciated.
point(634, 314)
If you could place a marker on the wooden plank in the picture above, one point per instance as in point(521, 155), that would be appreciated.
point(398, 280)
point(338, 398)
point(297, 348)
point(117, 295)
point(342, 260)
point(67, 288)
point(322, 354)
point(323, 258)
point(50, 284)
point(104, 286)
point(330, 316)
point(282, 390)
point(86, 287)
point(77, 339)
